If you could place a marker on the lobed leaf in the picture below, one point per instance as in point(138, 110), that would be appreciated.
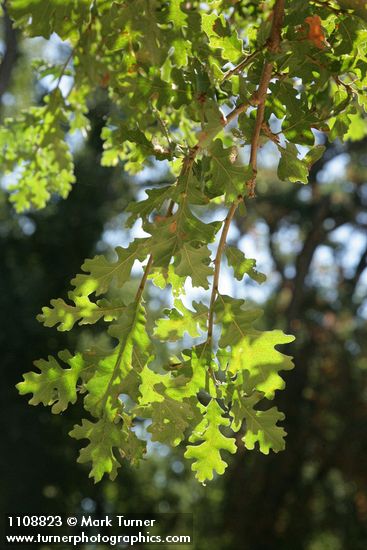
point(54, 385)
point(105, 437)
point(100, 273)
point(207, 454)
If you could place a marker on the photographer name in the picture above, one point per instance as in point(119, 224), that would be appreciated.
point(119, 521)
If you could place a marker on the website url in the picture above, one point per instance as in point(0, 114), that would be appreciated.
point(83, 538)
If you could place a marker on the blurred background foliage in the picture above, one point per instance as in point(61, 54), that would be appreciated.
point(313, 242)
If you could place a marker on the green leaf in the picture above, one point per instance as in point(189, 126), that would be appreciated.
point(290, 167)
point(235, 319)
point(207, 454)
point(163, 277)
point(261, 426)
point(291, 105)
point(228, 176)
point(246, 124)
point(357, 128)
point(213, 125)
point(182, 229)
point(193, 374)
point(255, 354)
point(176, 15)
point(42, 18)
point(131, 352)
point(181, 320)
point(153, 203)
point(348, 29)
point(84, 311)
point(359, 6)
point(242, 265)
point(54, 385)
point(194, 262)
point(149, 379)
point(339, 127)
point(314, 154)
point(104, 438)
point(220, 37)
point(100, 273)
point(170, 419)
point(160, 70)
point(36, 156)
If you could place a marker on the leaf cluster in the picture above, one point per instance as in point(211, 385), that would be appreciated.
point(197, 86)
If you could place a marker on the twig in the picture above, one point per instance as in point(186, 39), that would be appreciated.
point(72, 52)
point(163, 125)
point(64, 67)
point(261, 93)
point(217, 262)
point(238, 68)
point(187, 165)
point(237, 111)
point(259, 98)
point(267, 131)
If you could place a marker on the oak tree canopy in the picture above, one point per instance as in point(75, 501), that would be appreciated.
point(203, 87)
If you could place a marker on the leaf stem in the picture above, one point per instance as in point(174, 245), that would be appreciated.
point(144, 278)
point(217, 263)
point(73, 49)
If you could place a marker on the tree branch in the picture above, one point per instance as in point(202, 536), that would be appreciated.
point(279, 266)
point(361, 266)
point(259, 97)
